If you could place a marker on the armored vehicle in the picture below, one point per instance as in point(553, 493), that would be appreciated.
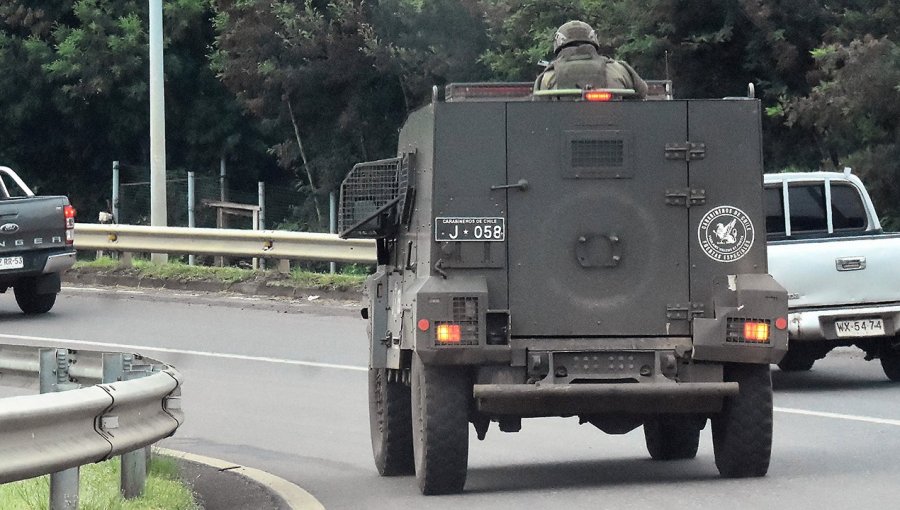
point(573, 253)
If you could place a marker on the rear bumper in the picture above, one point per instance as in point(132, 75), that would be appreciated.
point(37, 263)
point(59, 263)
point(534, 400)
point(817, 325)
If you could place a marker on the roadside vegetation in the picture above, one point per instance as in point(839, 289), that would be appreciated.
point(350, 277)
point(293, 93)
point(100, 489)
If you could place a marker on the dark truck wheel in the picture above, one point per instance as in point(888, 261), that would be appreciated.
point(890, 362)
point(30, 301)
point(742, 432)
point(440, 418)
point(797, 360)
point(390, 422)
point(672, 437)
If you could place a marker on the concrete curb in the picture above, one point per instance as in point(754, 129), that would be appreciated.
point(294, 496)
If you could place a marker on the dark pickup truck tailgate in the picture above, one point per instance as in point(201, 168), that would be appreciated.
point(32, 228)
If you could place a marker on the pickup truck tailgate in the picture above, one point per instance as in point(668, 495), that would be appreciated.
point(32, 223)
point(854, 270)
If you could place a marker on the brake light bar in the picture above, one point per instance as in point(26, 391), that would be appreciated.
point(598, 95)
point(756, 331)
point(448, 333)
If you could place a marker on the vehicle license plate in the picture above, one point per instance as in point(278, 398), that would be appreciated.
point(469, 229)
point(859, 327)
point(11, 263)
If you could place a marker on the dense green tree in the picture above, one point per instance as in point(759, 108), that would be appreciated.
point(75, 93)
point(300, 90)
point(855, 113)
point(333, 81)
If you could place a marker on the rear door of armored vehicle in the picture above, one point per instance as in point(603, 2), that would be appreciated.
point(599, 236)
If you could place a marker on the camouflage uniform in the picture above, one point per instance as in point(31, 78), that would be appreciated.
point(578, 64)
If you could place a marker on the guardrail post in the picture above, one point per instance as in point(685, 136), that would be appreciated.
point(54, 376)
point(134, 473)
point(135, 463)
point(125, 259)
point(332, 224)
point(261, 220)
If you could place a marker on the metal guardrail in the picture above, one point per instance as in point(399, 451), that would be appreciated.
point(129, 402)
point(273, 244)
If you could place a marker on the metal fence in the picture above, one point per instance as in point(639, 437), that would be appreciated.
point(92, 407)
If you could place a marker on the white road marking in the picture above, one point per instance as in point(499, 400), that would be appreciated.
point(837, 416)
point(57, 342)
point(104, 290)
point(265, 359)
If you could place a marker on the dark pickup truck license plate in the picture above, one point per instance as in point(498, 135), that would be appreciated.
point(469, 229)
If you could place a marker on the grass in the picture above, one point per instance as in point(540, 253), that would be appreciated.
point(352, 277)
point(99, 489)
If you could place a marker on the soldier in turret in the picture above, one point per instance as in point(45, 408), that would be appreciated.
point(579, 64)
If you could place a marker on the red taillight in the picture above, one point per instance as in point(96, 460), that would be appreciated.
point(597, 95)
point(756, 331)
point(449, 333)
point(69, 214)
point(424, 324)
point(781, 323)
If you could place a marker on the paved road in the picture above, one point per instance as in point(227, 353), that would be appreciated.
point(280, 386)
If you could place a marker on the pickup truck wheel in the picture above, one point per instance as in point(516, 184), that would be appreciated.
point(742, 432)
point(672, 437)
point(390, 423)
point(890, 363)
point(796, 361)
point(30, 301)
point(440, 411)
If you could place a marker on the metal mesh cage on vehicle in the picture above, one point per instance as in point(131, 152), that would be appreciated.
point(370, 195)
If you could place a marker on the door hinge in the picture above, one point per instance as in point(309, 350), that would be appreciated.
point(686, 151)
point(686, 197)
point(684, 312)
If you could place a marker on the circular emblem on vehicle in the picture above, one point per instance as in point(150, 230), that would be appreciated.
point(726, 233)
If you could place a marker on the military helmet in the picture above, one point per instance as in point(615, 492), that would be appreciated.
point(574, 32)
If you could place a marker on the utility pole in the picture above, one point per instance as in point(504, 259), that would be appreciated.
point(157, 126)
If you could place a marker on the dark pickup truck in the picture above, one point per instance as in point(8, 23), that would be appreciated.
point(36, 243)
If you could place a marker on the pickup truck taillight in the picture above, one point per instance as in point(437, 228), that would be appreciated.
point(69, 213)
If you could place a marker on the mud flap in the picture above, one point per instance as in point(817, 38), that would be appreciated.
point(47, 283)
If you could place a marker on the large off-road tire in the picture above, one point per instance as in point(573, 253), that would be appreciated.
point(742, 432)
point(797, 360)
point(440, 416)
point(30, 301)
point(390, 422)
point(672, 437)
point(890, 363)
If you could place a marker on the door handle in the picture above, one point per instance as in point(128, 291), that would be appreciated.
point(850, 263)
point(522, 185)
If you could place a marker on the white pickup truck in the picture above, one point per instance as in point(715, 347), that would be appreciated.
point(841, 271)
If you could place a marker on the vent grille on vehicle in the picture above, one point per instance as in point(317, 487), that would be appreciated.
point(598, 153)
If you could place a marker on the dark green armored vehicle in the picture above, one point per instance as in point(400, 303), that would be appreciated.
point(569, 254)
